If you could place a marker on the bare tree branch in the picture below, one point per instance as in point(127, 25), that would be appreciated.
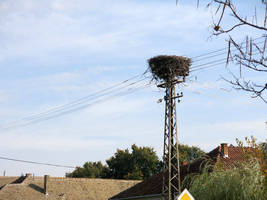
point(228, 4)
point(245, 59)
point(255, 61)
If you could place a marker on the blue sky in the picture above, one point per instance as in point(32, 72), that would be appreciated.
point(54, 52)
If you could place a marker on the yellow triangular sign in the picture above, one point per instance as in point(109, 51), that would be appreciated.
point(185, 195)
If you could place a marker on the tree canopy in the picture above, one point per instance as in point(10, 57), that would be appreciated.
point(137, 163)
point(189, 153)
point(90, 170)
point(141, 163)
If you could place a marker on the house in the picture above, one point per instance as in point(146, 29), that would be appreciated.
point(55, 188)
point(151, 188)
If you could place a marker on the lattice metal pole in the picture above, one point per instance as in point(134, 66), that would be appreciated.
point(171, 183)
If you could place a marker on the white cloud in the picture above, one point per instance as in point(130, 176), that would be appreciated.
point(87, 26)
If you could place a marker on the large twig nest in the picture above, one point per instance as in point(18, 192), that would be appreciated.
point(169, 67)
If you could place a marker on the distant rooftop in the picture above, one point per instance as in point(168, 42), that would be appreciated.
point(32, 188)
point(6, 180)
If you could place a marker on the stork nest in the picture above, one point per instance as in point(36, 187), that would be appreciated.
point(167, 68)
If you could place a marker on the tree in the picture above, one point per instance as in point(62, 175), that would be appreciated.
point(189, 153)
point(90, 170)
point(120, 164)
point(141, 163)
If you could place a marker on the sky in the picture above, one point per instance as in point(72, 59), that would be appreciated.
point(54, 52)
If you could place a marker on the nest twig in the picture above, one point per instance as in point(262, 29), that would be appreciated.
point(167, 68)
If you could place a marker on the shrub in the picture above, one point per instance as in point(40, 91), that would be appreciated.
point(244, 181)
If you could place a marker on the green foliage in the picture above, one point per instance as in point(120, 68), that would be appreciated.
point(90, 170)
point(242, 182)
point(141, 163)
point(189, 153)
point(119, 164)
point(245, 180)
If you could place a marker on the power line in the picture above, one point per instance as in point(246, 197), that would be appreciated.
point(77, 104)
point(210, 64)
point(45, 118)
point(55, 114)
point(218, 60)
point(82, 99)
point(37, 163)
point(222, 49)
point(63, 109)
point(216, 55)
point(83, 102)
point(56, 110)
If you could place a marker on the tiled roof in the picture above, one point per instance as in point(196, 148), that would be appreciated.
point(153, 185)
point(235, 154)
point(65, 188)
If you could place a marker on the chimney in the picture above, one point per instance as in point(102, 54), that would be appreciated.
point(224, 150)
point(46, 179)
point(184, 163)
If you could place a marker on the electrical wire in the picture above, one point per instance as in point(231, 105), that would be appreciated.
point(210, 64)
point(82, 99)
point(222, 49)
point(83, 102)
point(51, 115)
point(214, 61)
point(223, 53)
point(57, 111)
point(78, 102)
point(44, 118)
point(37, 163)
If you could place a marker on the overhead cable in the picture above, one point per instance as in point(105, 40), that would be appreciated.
point(33, 162)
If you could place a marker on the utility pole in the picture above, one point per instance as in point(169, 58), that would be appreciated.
point(171, 165)
point(170, 71)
